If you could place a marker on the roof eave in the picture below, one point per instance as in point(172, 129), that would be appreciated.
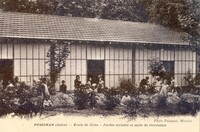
point(103, 41)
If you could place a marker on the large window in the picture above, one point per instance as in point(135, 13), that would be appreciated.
point(95, 68)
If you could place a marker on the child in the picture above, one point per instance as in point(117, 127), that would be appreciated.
point(125, 99)
point(101, 82)
point(164, 89)
point(63, 87)
point(16, 82)
point(144, 85)
point(89, 83)
point(47, 102)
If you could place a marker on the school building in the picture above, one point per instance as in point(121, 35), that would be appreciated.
point(116, 49)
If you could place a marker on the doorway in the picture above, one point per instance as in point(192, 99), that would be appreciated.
point(94, 69)
point(6, 70)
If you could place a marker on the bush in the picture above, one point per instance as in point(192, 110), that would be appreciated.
point(173, 105)
point(52, 91)
point(21, 101)
point(197, 79)
point(107, 101)
point(127, 85)
point(133, 107)
point(112, 91)
point(189, 104)
point(162, 105)
point(156, 67)
point(190, 82)
point(111, 102)
point(62, 100)
point(144, 100)
point(81, 99)
point(100, 99)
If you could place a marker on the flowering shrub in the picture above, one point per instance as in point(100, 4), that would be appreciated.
point(154, 99)
point(62, 100)
point(161, 105)
point(21, 100)
point(100, 99)
point(173, 105)
point(107, 101)
point(144, 99)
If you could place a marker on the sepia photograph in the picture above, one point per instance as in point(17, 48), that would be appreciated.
point(117, 64)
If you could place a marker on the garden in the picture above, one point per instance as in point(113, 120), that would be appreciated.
point(127, 100)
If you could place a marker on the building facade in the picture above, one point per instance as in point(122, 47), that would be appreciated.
point(23, 49)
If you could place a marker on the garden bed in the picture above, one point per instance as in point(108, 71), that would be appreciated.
point(105, 104)
point(142, 105)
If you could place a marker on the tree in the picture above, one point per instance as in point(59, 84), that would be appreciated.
point(156, 67)
point(130, 10)
point(181, 15)
point(57, 54)
point(167, 12)
point(192, 25)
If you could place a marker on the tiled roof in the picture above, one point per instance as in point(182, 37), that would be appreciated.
point(35, 26)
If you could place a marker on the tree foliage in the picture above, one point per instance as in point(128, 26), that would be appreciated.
point(181, 15)
point(156, 67)
point(132, 10)
point(57, 55)
point(167, 12)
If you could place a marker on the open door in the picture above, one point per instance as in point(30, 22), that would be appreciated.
point(6, 70)
point(95, 68)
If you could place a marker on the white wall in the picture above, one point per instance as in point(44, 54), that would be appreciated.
point(29, 61)
point(184, 59)
point(118, 63)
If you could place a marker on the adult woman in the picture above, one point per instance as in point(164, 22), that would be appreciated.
point(77, 82)
point(44, 88)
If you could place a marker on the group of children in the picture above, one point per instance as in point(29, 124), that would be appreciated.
point(78, 84)
point(9, 85)
point(91, 87)
point(162, 86)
